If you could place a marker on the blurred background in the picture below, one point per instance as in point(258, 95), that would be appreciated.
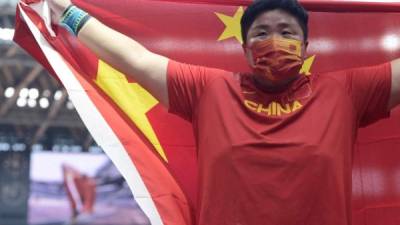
point(51, 170)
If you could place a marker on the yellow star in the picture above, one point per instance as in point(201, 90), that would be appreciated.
point(306, 69)
point(132, 99)
point(232, 25)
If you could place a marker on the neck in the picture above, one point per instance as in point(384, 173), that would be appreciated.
point(267, 85)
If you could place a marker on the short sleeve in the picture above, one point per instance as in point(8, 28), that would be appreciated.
point(370, 88)
point(186, 83)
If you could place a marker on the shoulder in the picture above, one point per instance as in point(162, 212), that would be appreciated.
point(347, 77)
point(181, 67)
point(334, 79)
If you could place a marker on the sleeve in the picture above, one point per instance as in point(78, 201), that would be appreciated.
point(370, 89)
point(186, 83)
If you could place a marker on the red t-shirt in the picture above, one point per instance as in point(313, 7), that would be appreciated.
point(276, 159)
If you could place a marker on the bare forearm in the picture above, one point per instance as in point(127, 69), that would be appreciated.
point(112, 46)
point(128, 56)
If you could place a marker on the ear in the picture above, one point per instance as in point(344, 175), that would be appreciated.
point(304, 50)
point(248, 55)
point(246, 50)
point(244, 47)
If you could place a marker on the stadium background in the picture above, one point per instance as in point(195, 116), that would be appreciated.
point(40, 132)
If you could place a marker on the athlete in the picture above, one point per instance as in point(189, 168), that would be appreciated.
point(277, 147)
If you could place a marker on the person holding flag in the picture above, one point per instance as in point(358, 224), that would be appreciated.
point(274, 147)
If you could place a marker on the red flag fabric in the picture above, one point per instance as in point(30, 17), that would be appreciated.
point(155, 151)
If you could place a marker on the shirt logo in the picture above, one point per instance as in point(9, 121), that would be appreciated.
point(273, 108)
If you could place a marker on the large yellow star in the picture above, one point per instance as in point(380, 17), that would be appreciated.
point(132, 99)
point(232, 25)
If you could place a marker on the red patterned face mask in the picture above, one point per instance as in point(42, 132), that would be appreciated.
point(277, 58)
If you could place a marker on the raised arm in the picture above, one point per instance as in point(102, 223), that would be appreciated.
point(395, 93)
point(123, 53)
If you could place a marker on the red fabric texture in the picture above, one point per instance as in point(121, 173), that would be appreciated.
point(189, 32)
point(317, 5)
point(276, 158)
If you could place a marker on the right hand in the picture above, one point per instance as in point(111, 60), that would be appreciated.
point(58, 7)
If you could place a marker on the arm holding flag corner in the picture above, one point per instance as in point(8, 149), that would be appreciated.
point(129, 56)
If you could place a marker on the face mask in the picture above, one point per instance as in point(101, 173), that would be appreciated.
point(277, 59)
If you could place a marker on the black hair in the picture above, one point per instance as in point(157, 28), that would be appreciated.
point(258, 7)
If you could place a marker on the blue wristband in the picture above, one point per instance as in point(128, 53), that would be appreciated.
point(73, 19)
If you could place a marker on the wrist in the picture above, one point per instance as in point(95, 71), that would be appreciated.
point(64, 10)
point(59, 8)
point(73, 19)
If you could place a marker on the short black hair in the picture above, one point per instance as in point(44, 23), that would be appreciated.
point(258, 7)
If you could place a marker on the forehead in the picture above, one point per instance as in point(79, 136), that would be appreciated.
point(275, 18)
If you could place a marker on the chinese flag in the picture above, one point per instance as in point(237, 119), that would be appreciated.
point(155, 151)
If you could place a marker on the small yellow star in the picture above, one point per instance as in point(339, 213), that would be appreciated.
point(306, 69)
point(232, 25)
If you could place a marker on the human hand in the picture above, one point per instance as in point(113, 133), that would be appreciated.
point(58, 7)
